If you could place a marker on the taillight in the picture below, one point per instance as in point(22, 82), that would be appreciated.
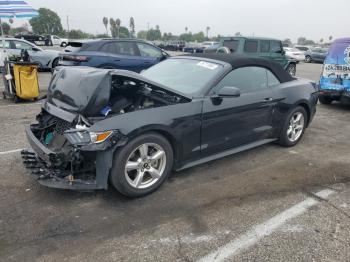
point(76, 58)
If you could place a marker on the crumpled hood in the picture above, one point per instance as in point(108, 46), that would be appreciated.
point(86, 90)
point(83, 90)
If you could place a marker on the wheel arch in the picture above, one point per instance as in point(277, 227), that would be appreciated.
point(165, 132)
point(307, 108)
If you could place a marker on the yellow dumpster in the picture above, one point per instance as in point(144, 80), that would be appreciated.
point(26, 80)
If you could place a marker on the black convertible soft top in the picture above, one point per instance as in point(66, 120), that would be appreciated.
point(237, 61)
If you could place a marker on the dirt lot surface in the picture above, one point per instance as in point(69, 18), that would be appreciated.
point(260, 205)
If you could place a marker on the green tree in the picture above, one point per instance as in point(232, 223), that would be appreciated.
point(105, 23)
point(154, 34)
point(330, 38)
point(78, 34)
point(132, 27)
point(186, 37)
point(321, 40)
point(186, 29)
point(142, 34)
point(238, 34)
point(198, 37)
point(123, 32)
point(47, 22)
point(6, 28)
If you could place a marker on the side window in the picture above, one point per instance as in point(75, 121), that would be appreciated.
point(125, 48)
point(7, 44)
point(149, 51)
point(264, 46)
point(231, 44)
point(120, 48)
point(276, 47)
point(251, 46)
point(272, 79)
point(108, 48)
point(22, 45)
point(247, 79)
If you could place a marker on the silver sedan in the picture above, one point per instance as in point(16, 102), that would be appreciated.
point(47, 59)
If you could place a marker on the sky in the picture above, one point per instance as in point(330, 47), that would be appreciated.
point(313, 19)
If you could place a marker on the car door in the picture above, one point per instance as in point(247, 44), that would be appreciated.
point(9, 46)
point(277, 53)
point(149, 55)
point(233, 122)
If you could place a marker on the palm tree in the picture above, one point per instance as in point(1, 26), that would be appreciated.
point(157, 27)
point(132, 27)
point(330, 38)
point(113, 25)
point(207, 30)
point(105, 22)
point(118, 23)
point(321, 40)
point(186, 29)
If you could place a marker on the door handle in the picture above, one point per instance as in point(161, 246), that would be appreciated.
point(268, 99)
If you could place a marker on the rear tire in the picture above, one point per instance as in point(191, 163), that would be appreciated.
point(142, 165)
point(308, 59)
point(294, 127)
point(325, 100)
point(54, 63)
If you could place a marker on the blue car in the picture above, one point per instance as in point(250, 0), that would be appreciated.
point(335, 78)
point(128, 54)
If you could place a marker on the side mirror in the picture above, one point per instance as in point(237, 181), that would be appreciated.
point(35, 49)
point(228, 91)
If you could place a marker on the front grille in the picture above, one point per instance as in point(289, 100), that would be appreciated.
point(61, 126)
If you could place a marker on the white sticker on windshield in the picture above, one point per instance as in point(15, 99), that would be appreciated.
point(208, 65)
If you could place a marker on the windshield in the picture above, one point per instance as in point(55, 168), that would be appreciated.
point(187, 76)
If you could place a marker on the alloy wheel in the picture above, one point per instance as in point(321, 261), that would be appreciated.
point(296, 126)
point(145, 165)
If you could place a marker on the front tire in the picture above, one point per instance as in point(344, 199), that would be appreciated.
point(325, 100)
point(142, 165)
point(292, 69)
point(294, 127)
point(64, 44)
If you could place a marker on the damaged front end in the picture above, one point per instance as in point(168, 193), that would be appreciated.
point(66, 155)
point(66, 149)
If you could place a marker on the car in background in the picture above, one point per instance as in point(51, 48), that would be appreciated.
point(51, 40)
point(210, 46)
point(115, 127)
point(193, 48)
point(129, 54)
point(303, 48)
point(335, 78)
point(46, 59)
point(31, 37)
point(316, 54)
point(174, 45)
point(294, 53)
point(268, 48)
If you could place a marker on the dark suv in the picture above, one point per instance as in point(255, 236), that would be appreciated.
point(129, 54)
point(258, 47)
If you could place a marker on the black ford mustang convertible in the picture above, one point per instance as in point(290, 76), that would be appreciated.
point(100, 125)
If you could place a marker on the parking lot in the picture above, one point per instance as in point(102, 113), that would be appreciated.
point(267, 204)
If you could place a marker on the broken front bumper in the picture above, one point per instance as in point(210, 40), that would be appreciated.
point(47, 166)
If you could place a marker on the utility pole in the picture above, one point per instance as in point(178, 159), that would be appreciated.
point(68, 23)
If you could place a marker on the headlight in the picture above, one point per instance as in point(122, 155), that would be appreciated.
point(99, 137)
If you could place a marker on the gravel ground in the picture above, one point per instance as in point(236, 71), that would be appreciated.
point(196, 212)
